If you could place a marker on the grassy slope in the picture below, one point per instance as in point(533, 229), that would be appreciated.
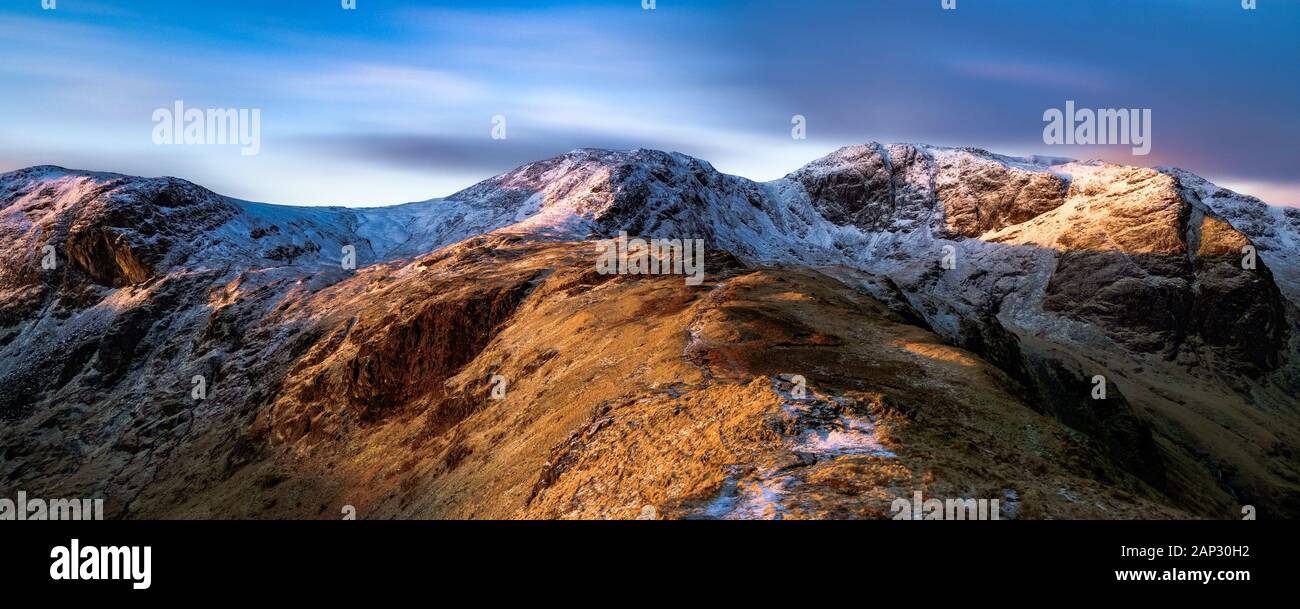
point(612, 406)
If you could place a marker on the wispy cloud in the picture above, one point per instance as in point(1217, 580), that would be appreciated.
point(371, 81)
point(1030, 74)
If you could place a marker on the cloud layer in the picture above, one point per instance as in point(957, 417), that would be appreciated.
point(394, 101)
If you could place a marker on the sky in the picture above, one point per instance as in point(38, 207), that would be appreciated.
point(395, 101)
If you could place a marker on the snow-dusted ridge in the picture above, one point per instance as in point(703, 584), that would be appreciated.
point(232, 232)
point(574, 196)
point(888, 210)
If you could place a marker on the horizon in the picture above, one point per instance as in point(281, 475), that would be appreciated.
point(364, 205)
point(396, 102)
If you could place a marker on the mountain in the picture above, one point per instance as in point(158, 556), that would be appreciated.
point(945, 314)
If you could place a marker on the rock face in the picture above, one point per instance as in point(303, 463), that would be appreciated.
point(965, 194)
point(472, 362)
point(852, 186)
point(982, 193)
point(397, 348)
point(1158, 272)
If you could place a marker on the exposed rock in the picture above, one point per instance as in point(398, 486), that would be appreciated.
point(982, 193)
point(851, 186)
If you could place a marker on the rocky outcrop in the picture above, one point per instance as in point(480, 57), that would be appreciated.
point(852, 186)
point(902, 186)
point(1070, 396)
point(1160, 274)
point(106, 256)
point(396, 349)
point(982, 193)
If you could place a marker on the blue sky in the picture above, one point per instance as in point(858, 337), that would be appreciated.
point(393, 101)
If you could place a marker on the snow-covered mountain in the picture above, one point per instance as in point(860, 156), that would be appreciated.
point(194, 224)
point(1051, 247)
point(1050, 271)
